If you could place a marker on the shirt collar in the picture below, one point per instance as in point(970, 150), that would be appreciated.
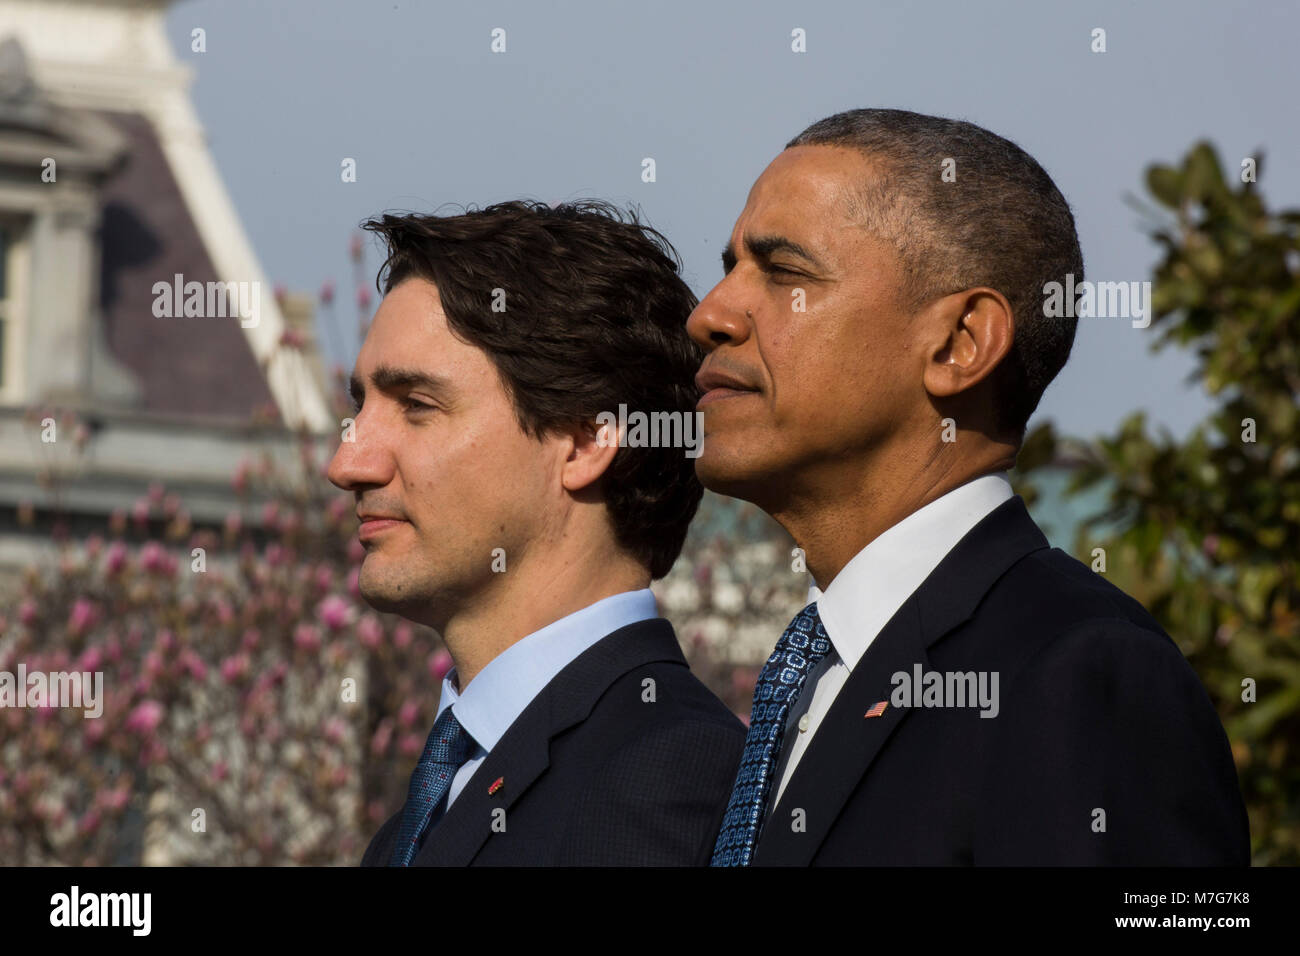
point(501, 690)
point(871, 588)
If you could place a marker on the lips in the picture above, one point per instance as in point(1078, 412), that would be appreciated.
point(373, 523)
point(718, 384)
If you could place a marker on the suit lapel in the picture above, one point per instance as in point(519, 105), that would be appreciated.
point(847, 742)
point(522, 754)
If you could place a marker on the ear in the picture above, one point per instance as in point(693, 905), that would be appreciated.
point(592, 448)
point(974, 332)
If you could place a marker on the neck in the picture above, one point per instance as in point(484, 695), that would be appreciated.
point(843, 507)
point(533, 594)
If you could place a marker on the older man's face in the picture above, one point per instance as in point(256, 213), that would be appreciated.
point(809, 324)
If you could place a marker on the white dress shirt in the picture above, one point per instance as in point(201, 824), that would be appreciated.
point(870, 589)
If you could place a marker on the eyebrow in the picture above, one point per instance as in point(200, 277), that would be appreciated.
point(764, 247)
point(387, 378)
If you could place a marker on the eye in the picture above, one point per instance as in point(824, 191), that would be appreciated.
point(780, 271)
point(411, 405)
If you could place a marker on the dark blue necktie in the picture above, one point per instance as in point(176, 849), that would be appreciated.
point(799, 650)
point(444, 753)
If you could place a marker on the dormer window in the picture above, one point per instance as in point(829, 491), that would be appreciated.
point(13, 260)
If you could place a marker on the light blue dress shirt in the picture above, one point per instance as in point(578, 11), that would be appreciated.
point(499, 692)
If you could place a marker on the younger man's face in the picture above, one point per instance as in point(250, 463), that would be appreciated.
point(446, 457)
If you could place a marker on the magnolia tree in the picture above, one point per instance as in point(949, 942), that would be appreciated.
point(253, 710)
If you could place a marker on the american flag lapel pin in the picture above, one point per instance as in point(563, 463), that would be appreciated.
point(877, 709)
point(497, 784)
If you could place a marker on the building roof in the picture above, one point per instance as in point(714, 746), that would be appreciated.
point(185, 366)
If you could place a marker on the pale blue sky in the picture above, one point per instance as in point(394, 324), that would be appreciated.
point(712, 91)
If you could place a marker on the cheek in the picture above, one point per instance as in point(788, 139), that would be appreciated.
point(478, 482)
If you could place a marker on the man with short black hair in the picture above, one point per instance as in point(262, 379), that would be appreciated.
point(956, 692)
point(497, 509)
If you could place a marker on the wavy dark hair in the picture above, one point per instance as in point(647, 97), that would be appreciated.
point(595, 316)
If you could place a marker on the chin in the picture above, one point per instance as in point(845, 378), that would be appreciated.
point(384, 594)
point(731, 475)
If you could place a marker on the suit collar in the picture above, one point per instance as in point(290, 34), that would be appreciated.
point(873, 585)
point(523, 753)
point(847, 741)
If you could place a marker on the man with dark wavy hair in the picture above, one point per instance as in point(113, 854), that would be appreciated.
point(956, 691)
point(502, 506)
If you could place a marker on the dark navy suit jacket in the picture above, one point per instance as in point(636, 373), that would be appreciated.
point(596, 773)
point(1106, 749)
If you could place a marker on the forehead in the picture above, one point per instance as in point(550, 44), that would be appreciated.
point(410, 330)
point(809, 191)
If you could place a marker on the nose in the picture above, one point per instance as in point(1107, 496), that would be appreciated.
point(362, 459)
point(719, 319)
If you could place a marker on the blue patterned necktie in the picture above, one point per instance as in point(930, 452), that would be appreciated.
point(445, 752)
point(799, 650)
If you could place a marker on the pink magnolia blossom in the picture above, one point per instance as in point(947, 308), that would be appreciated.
point(402, 635)
point(307, 638)
point(333, 730)
point(370, 632)
point(382, 736)
point(153, 557)
point(116, 799)
point(140, 511)
point(439, 663)
point(410, 710)
point(334, 612)
point(90, 660)
point(115, 559)
point(146, 717)
point(83, 616)
point(234, 667)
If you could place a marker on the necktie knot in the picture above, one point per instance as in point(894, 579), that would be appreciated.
point(445, 751)
point(801, 647)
